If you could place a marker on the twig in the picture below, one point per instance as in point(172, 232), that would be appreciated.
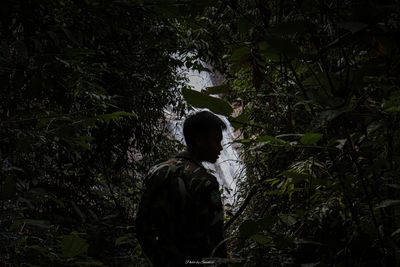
point(250, 195)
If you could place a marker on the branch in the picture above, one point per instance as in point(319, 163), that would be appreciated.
point(252, 193)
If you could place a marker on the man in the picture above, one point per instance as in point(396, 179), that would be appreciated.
point(180, 217)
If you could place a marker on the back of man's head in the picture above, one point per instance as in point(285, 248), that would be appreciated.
point(201, 123)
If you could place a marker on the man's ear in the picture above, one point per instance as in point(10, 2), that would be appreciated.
point(198, 141)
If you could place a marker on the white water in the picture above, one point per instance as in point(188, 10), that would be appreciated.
point(229, 168)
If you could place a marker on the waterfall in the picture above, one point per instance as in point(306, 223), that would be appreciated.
point(229, 168)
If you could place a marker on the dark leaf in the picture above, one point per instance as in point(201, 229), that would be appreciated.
point(261, 239)
point(201, 100)
point(72, 245)
point(310, 138)
point(220, 89)
point(248, 228)
point(388, 203)
point(240, 54)
point(352, 26)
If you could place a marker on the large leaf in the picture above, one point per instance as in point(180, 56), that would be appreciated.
point(125, 239)
point(72, 245)
point(81, 141)
point(388, 203)
point(283, 46)
point(328, 115)
point(220, 89)
point(295, 175)
point(395, 232)
point(267, 221)
point(201, 100)
point(244, 25)
point(392, 104)
point(240, 54)
point(287, 219)
point(321, 79)
point(240, 121)
point(37, 223)
point(352, 26)
point(269, 51)
point(266, 139)
point(261, 239)
point(310, 138)
point(248, 228)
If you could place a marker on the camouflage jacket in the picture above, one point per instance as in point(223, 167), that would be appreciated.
point(180, 214)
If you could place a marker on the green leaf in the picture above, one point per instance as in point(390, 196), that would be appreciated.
point(352, 26)
point(116, 115)
point(248, 228)
point(392, 104)
point(37, 223)
point(396, 232)
point(287, 219)
point(328, 115)
point(122, 240)
point(182, 188)
point(261, 239)
point(240, 54)
point(269, 51)
point(81, 141)
point(266, 139)
point(70, 36)
point(72, 245)
point(54, 37)
point(267, 221)
point(309, 242)
point(201, 100)
point(295, 175)
point(244, 25)
point(310, 138)
point(388, 203)
point(240, 121)
point(283, 242)
point(78, 211)
point(324, 84)
point(283, 46)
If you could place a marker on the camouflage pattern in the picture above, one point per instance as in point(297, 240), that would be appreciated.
point(180, 215)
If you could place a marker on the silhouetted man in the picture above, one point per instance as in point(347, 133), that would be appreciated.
point(180, 217)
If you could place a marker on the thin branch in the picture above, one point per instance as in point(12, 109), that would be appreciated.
point(250, 195)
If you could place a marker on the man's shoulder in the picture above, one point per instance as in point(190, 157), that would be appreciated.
point(162, 166)
point(181, 165)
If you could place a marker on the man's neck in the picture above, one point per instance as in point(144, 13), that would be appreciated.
point(194, 155)
point(186, 154)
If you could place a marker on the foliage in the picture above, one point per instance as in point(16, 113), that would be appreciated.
point(83, 82)
point(84, 85)
point(318, 85)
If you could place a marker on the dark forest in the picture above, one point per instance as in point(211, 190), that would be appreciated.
point(311, 88)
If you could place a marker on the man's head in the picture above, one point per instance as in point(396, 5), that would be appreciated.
point(203, 135)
